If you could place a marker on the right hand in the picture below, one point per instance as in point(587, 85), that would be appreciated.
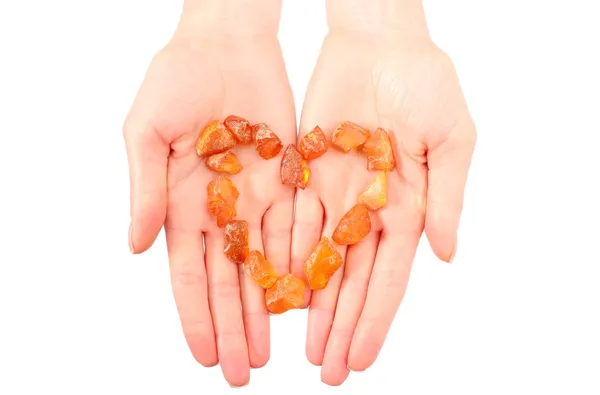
point(189, 83)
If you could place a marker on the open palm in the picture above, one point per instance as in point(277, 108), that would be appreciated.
point(188, 84)
point(408, 87)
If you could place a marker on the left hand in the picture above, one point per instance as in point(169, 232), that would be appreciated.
point(195, 79)
point(408, 86)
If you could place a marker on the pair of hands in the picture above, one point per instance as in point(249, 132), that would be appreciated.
point(404, 84)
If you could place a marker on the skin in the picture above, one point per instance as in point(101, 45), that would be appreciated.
point(398, 79)
point(378, 67)
point(196, 78)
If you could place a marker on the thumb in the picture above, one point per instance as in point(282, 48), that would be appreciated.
point(448, 167)
point(147, 155)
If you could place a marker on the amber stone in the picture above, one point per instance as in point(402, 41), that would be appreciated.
point(348, 136)
point(214, 138)
point(286, 294)
point(380, 155)
point(313, 144)
point(294, 169)
point(322, 264)
point(240, 128)
point(267, 143)
point(260, 270)
point(375, 195)
point(236, 241)
point(353, 226)
point(226, 162)
point(222, 195)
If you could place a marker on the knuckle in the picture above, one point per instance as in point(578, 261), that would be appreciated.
point(224, 289)
point(189, 278)
point(194, 327)
point(277, 233)
point(391, 282)
point(355, 283)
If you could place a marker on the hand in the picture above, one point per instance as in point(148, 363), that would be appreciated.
point(405, 84)
point(193, 80)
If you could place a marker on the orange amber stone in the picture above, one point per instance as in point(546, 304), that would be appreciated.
point(322, 264)
point(380, 155)
point(226, 162)
point(260, 270)
point(375, 196)
point(353, 226)
point(214, 138)
point(348, 136)
point(240, 128)
point(236, 241)
point(268, 144)
point(294, 169)
point(222, 195)
point(286, 294)
point(313, 144)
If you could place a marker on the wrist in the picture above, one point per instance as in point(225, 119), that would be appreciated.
point(389, 18)
point(229, 18)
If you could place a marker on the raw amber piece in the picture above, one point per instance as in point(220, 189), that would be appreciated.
point(268, 144)
point(348, 136)
point(214, 138)
point(286, 294)
point(236, 241)
point(226, 162)
point(313, 144)
point(222, 195)
point(322, 264)
point(240, 128)
point(260, 270)
point(375, 196)
point(353, 226)
point(294, 169)
point(380, 155)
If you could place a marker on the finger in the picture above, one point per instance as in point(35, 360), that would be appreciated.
point(276, 232)
point(256, 316)
point(226, 309)
point(190, 289)
point(353, 292)
point(147, 155)
point(448, 167)
point(386, 289)
point(306, 232)
point(323, 302)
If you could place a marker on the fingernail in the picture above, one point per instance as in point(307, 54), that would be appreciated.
point(238, 386)
point(130, 241)
point(354, 371)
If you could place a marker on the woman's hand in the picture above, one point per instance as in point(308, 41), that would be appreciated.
point(402, 82)
point(208, 72)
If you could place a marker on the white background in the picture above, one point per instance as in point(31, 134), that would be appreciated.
point(517, 313)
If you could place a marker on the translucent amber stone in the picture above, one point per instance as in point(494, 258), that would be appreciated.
point(226, 162)
point(260, 270)
point(322, 264)
point(313, 144)
point(375, 196)
point(353, 226)
point(268, 144)
point(294, 169)
point(240, 128)
point(222, 195)
point(236, 241)
point(286, 294)
point(214, 138)
point(380, 155)
point(348, 136)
